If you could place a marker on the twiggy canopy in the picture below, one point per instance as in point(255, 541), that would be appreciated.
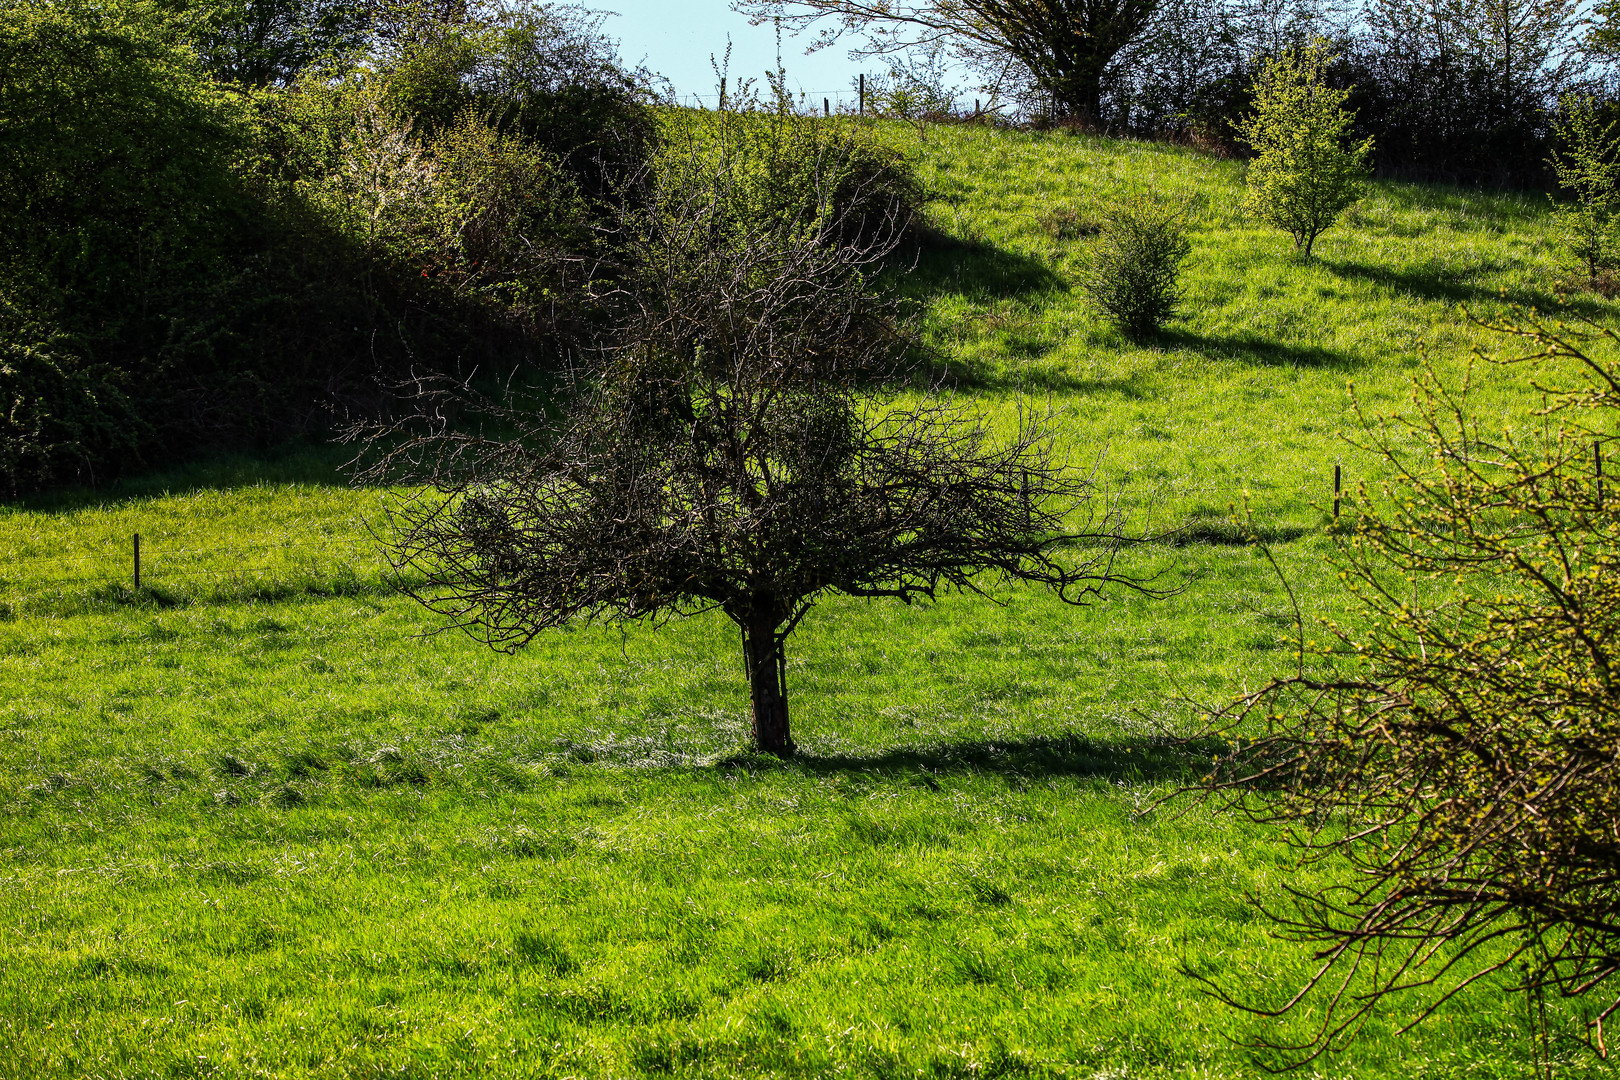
point(734, 451)
point(1458, 748)
point(1064, 45)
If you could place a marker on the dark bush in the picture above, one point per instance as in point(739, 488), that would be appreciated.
point(63, 416)
point(122, 227)
point(791, 167)
point(1438, 104)
point(1445, 120)
point(547, 75)
point(1134, 271)
point(190, 265)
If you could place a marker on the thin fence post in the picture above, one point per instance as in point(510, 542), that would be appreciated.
point(1336, 481)
point(826, 108)
point(137, 561)
point(863, 96)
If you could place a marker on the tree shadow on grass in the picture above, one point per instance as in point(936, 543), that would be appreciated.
point(1434, 282)
point(946, 264)
point(1505, 208)
point(309, 463)
point(1272, 353)
point(1136, 759)
point(1039, 377)
point(1227, 533)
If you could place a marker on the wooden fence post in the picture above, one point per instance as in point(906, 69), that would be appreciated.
point(137, 561)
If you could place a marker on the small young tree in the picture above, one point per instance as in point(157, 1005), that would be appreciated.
point(1457, 745)
point(1305, 172)
point(1134, 271)
point(732, 452)
point(1586, 160)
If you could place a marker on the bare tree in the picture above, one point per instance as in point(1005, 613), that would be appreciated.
point(1459, 747)
point(1529, 47)
point(734, 450)
point(1065, 45)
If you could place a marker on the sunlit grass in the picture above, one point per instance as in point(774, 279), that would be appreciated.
point(258, 820)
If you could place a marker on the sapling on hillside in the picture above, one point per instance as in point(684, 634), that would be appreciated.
point(1586, 161)
point(1306, 171)
point(1134, 272)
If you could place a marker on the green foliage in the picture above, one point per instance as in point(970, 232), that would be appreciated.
point(118, 212)
point(546, 74)
point(1603, 37)
point(1586, 162)
point(1303, 175)
point(570, 847)
point(60, 416)
point(229, 261)
point(265, 42)
point(791, 168)
point(1134, 272)
point(467, 219)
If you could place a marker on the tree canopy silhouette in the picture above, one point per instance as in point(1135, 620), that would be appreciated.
point(736, 447)
point(1064, 45)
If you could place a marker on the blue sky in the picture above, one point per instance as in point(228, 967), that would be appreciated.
point(676, 37)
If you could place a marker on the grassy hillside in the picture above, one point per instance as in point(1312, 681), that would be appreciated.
point(254, 823)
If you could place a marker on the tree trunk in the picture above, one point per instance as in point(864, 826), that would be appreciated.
point(1077, 97)
point(767, 686)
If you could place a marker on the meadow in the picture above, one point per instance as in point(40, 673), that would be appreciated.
point(257, 819)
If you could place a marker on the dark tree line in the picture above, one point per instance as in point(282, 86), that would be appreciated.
point(1454, 92)
point(220, 221)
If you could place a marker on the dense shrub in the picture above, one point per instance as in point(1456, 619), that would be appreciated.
point(1134, 271)
point(547, 75)
point(799, 168)
point(230, 264)
point(119, 214)
point(1444, 119)
point(60, 416)
point(268, 42)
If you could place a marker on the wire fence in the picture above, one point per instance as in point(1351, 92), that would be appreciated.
point(844, 99)
point(170, 561)
point(145, 561)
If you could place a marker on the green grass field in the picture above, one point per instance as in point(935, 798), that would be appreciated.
point(259, 821)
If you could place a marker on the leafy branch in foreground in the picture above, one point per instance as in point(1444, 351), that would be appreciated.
point(735, 450)
point(1459, 748)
